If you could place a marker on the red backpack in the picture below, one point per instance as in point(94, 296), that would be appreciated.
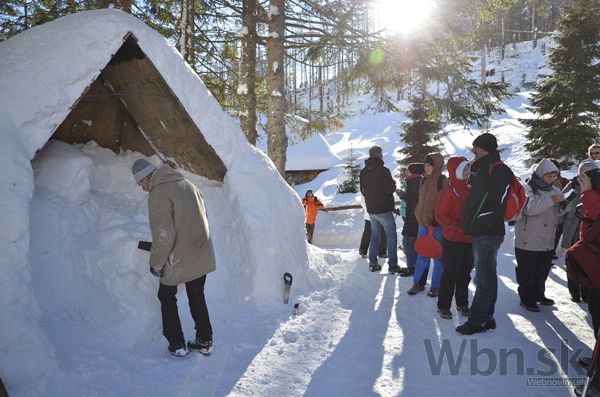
point(514, 199)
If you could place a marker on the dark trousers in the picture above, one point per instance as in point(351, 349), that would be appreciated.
point(593, 295)
point(310, 230)
point(532, 271)
point(457, 261)
point(170, 315)
point(577, 291)
point(366, 238)
point(559, 230)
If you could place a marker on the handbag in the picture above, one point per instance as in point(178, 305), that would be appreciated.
point(428, 246)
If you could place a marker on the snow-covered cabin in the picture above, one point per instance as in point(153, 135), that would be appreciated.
point(106, 76)
point(306, 159)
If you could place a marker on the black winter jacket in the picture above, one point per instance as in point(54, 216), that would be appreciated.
point(377, 186)
point(484, 214)
point(411, 226)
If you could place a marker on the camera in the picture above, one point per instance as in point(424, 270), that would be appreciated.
point(593, 174)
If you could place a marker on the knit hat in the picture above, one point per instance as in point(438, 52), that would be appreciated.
point(376, 151)
point(587, 165)
point(486, 142)
point(545, 167)
point(416, 168)
point(460, 168)
point(142, 168)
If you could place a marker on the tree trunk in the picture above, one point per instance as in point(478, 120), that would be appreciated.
point(277, 145)
point(124, 5)
point(246, 90)
point(187, 29)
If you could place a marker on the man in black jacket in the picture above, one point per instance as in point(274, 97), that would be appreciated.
point(378, 187)
point(411, 226)
point(484, 222)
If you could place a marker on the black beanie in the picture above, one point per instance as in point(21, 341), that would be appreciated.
point(416, 168)
point(487, 142)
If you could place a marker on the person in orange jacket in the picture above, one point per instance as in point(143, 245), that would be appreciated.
point(311, 206)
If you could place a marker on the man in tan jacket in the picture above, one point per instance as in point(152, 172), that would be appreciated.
point(182, 251)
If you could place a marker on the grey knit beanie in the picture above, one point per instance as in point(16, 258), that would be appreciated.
point(587, 165)
point(142, 168)
point(545, 166)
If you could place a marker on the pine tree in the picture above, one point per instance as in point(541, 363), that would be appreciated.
point(352, 171)
point(567, 104)
point(419, 132)
point(444, 94)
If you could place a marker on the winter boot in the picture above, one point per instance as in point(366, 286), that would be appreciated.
point(394, 269)
point(470, 328)
point(204, 347)
point(416, 289)
point(463, 310)
point(546, 301)
point(445, 313)
point(178, 351)
point(531, 306)
point(433, 292)
point(374, 267)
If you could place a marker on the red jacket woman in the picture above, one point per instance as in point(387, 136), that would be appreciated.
point(450, 211)
point(457, 250)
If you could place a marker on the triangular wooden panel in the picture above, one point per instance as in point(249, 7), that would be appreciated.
point(158, 113)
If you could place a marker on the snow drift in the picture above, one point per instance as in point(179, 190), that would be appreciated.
point(75, 243)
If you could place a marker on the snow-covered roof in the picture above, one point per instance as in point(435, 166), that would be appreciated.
point(43, 73)
point(311, 154)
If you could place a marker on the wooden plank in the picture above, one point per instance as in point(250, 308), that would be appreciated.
point(156, 110)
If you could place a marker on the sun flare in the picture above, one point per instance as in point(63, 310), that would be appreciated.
point(403, 16)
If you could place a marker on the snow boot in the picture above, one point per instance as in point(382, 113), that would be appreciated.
point(445, 313)
point(394, 269)
point(463, 310)
point(374, 267)
point(178, 351)
point(433, 292)
point(416, 289)
point(531, 306)
point(546, 301)
point(470, 328)
point(204, 347)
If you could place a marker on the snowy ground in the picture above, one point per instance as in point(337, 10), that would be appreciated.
point(357, 334)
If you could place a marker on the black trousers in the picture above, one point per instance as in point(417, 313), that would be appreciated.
point(366, 238)
point(310, 230)
point(457, 260)
point(593, 296)
point(532, 271)
point(170, 315)
point(577, 291)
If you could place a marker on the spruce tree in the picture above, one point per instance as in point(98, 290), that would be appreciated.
point(567, 104)
point(352, 171)
point(444, 94)
point(418, 133)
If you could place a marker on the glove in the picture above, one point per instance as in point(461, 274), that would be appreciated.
point(157, 273)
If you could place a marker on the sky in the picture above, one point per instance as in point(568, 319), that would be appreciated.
point(87, 291)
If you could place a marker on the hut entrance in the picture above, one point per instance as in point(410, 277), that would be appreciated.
point(130, 106)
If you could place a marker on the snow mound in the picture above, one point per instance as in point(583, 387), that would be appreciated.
point(64, 171)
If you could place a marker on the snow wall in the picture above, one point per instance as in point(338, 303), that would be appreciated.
point(256, 219)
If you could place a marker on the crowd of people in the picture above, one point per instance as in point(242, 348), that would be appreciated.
point(458, 223)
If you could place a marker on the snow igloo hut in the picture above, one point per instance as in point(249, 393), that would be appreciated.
point(81, 98)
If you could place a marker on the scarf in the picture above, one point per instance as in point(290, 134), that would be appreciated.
point(538, 184)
